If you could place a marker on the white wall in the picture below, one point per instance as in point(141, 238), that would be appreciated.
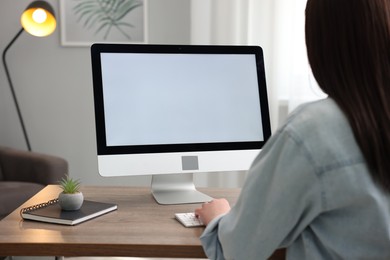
point(54, 87)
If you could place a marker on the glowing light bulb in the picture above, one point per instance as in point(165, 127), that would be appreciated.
point(39, 15)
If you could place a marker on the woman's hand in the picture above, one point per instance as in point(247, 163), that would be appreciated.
point(211, 210)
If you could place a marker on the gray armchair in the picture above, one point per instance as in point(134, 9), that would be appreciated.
point(23, 173)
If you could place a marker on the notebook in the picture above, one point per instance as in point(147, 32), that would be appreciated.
point(51, 212)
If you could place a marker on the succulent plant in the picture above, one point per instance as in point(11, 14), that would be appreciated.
point(69, 185)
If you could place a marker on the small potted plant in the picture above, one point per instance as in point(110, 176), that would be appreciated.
point(71, 198)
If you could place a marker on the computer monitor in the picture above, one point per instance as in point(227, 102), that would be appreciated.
point(174, 110)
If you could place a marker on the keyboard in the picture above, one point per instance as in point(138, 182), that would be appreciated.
point(188, 219)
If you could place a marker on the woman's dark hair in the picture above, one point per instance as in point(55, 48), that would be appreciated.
point(348, 46)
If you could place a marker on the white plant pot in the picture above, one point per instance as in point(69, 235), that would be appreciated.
point(71, 202)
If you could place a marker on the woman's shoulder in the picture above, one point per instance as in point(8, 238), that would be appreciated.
point(322, 128)
point(322, 117)
point(318, 112)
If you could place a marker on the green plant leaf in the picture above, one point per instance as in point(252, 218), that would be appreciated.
point(105, 14)
point(70, 185)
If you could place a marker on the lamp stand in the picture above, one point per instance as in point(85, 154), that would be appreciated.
point(12, 88)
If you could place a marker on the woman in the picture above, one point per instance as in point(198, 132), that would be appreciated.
point(321, 185)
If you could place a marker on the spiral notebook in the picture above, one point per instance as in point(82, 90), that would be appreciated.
point(51, 212)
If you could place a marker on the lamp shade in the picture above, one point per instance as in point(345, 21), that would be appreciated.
point(38, 19)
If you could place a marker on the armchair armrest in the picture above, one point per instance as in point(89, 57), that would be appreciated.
point(24, 166)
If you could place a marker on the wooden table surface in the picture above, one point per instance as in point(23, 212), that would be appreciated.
point(139, 228)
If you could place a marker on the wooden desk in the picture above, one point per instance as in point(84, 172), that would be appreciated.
point(139, 228)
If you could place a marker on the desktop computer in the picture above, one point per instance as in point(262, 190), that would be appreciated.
point(171, 111)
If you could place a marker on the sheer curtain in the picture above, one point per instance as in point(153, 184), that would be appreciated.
point(278, 27)
point(289, 72)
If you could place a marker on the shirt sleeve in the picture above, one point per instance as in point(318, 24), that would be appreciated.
point(280, 198)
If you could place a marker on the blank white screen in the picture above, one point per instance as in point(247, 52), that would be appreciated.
point(180, 98)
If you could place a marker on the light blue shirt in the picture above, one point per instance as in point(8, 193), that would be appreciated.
point(309, 191)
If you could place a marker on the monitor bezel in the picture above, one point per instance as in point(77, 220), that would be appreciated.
point(103, 149)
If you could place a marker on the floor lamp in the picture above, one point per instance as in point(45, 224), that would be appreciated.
point(39, 20)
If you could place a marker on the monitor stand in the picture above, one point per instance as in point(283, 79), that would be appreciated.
point(176, 189)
